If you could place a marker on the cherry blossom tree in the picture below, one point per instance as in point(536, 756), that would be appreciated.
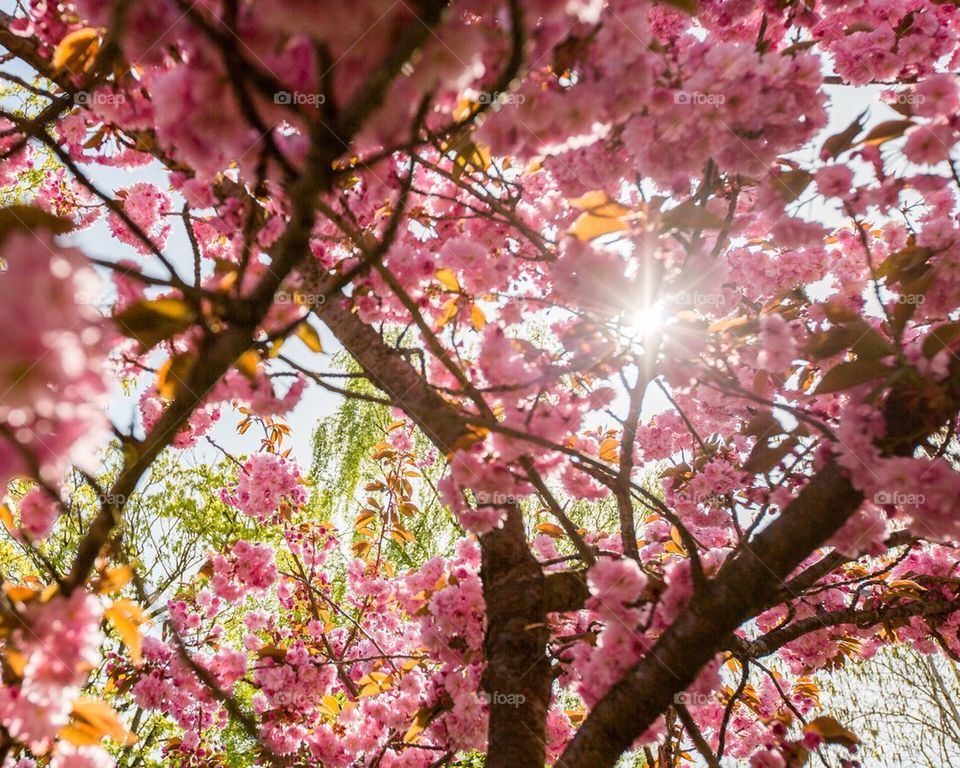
point(665, 336)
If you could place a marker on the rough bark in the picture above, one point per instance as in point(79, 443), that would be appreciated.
point(517, 678)
point(390, 372)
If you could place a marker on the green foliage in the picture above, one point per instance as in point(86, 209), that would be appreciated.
point(21, 101)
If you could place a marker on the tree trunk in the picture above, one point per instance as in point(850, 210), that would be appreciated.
point(517, 677)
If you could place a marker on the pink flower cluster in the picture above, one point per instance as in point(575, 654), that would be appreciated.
point(60, 641)
point(246, 568)
point(52, 367)
point(265, 483)
point(38, 513)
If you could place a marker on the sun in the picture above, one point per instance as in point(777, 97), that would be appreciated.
point(644, 321)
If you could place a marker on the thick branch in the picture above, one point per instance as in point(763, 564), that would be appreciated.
point(743, 586)
point(777, 638)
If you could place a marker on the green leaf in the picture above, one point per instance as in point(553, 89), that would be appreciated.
point(763, 457)
point(850, 374)
point(790, 184)
point(839, 143)
point(940, 339)
point(859, 336)
point(689, 215)
point(886, 131)
point(151, 321)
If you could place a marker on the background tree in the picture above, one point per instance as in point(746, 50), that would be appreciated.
point(904, 703)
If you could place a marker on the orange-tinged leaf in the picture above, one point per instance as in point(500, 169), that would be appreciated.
point(361, 548)
point(92, 721)
point(309, 336)
point(112, 580)
point(16, 218)
point(610, 449)
point(601, 216)
point(850, 374)
point(841, 142)
point(474, 435)
point(172, 376)
point(450, 308)
point(408, 508)
point(248, 364)
point(791, 184)
point(126, 616)
point(832, 731)
point(470, 156)
point(594, 200)
point(590, 226)
point(415, 729)
point(886, 131)
point(370, 689)
point(17, 662)
point(675, 536)
point(689, 215)
point(477, 318)
point(6, 517)
point(401, 536)
point(689, 7)
point(367, 514)
point(448, 279)
point(550, 529)
point(19, 594)
point(674, 549)
point(76, 51)
point(423, 718)
point(330, 706)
